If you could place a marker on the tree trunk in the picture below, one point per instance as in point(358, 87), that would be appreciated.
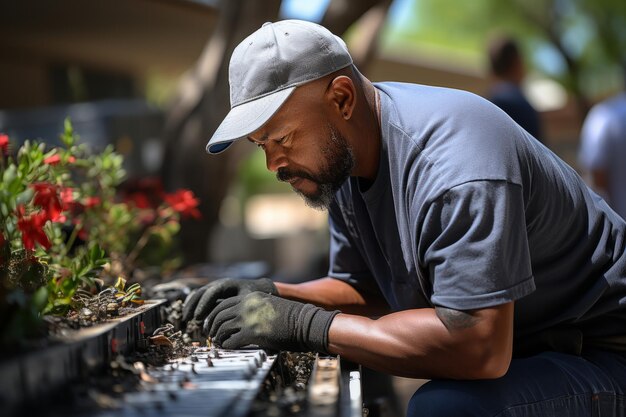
point(201, 103)
point(368, 16)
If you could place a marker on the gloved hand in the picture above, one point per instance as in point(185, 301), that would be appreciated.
point(200, 302)
point(269, 322)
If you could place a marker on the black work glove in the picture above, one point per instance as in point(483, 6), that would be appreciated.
point(269, 322)
point(200, 302)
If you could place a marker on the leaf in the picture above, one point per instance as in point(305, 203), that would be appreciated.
point(4, 210)
point(25, 196)
point(68, 135)
point(9, 174)
point(40, 299)
point(134, 289)
point(65, 301)
point(68, 287)
point(96, 255)
point(120, 284)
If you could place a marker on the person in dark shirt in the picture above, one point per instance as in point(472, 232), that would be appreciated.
point(507, 70)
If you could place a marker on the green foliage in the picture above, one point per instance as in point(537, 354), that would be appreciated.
point(72, 273)
point(586, 39)
point(132, 294)
point(255, 178)
point(63, 225)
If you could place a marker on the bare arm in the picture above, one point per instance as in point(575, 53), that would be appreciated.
point(429, 343)
point(332, 293)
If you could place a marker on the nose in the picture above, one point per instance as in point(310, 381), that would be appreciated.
point(275, 158)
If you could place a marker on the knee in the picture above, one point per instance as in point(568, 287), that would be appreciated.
point(445, 399)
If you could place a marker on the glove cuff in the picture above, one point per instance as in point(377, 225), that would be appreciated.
point(266, 285)
point(317, 338)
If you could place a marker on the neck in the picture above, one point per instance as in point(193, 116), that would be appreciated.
point(367, 130)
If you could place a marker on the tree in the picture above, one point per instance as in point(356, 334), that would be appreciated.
point(587, 36)
point(369, 17)
point(201, 102)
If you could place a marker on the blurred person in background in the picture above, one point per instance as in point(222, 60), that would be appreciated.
point(507, 72)
point(603, 149)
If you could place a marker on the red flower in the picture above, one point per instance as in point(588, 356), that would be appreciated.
point(56, 159)
point(31, 227)
point(143, 193)
point(83, 235)
point(184, 202)
point(4, 143)
point(52, 160)
point(67, 195)
point(69, 203)
point(140, 200)
point(92, 202)
point(47, 198)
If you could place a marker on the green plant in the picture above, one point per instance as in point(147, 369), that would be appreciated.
point(132, 294)
point(64, 224)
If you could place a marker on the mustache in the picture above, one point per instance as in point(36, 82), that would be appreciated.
point(284, 174)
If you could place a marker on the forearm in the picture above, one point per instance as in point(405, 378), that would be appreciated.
point(331, 293)
point(416, 343)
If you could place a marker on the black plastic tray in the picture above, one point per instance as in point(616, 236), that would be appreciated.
point(35, 375)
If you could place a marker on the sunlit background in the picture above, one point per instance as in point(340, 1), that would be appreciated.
point(149, 76)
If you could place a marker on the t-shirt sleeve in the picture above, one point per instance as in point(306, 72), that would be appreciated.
point(346, 262)
point(474, 245)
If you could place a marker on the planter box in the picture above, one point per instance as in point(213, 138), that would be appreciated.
point(35, 375)
point(206, 383)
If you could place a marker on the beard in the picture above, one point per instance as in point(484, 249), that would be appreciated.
point(335, 170)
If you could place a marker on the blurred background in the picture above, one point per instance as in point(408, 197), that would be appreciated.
point(150, 77)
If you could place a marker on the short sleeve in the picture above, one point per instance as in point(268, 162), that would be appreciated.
point(346, 262)
point(595, 149)
point(474, 245)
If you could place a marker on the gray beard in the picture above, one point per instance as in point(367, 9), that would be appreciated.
point(322, 200)
point(336, 170)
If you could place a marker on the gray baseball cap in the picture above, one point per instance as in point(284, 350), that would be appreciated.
point(266, 68)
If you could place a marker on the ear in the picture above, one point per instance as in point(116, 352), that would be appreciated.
point(341, 94)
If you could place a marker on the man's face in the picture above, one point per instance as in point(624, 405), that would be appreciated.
point(305, 148)
point(333, 169)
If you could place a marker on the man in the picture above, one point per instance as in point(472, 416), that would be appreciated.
point(462, 250)
point(507, 71)
point(603, 150)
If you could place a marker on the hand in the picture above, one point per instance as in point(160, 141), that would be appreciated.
point(200, 302)
point(269, 322)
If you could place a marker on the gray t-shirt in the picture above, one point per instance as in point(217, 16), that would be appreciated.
point(469, 211)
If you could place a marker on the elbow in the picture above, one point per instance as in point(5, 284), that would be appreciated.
point(494, 369)
point(491, 364)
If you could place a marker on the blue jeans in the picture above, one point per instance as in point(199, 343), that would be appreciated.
point(548, 384)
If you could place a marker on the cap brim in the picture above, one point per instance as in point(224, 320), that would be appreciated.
point(245, 119)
